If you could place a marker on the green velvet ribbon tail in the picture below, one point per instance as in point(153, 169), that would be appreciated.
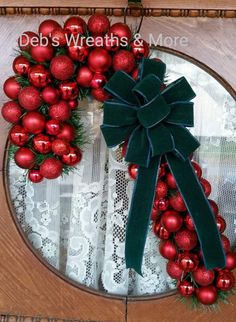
point(139, 214)
point(200, 211)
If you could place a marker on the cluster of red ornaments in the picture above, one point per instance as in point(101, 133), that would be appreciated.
point(179, 244)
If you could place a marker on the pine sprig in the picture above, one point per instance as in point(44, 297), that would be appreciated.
point(23, 81)
point(80, 135)
point(27, 56)
point(11, 151)
point(44, 109)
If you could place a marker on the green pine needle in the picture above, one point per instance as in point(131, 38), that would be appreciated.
point(23, 81)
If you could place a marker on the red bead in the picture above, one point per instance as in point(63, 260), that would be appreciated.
point(214, 207)
point(11, 88)
point(69, 90)
point(62, 67)
point(42, 143)
point(47, 26)
point(133, 171)
point(168, 250)
point(21, 66)
point(123, 60)
point(226, 243)
point(121, 30)
point(73, 157)
point(26, 39)
point(98, 80)
point(161, 189)
point(42, 53)
point(99, 60)
point(35, 176)
point(139, 48)
point(203, 277)
point(197, 169)
point(30, 98)
point(60, 111)
point(50, 95)
point(161, 204)
point(60, 147)
point(84, 76)
point(206, 186)
point(174, 270)
point(172, 220)
point(53, 127)
point(11, 112)
point(188, 261)
point(225, 281)
point(160, 231)
point(186, 288)
point(34, 122)
point(18, 135)
point(67, 132)
point(206, 295)
point(75, 26)
point(78, 50)
point(189, 222)
point(98, 24)
point(51, 168)
point(230, 260)
point(221, 224)
point(39, 76)
point(100, 94)
point(186, 239)
point(176, 202)
point(59, 37)
point(24, 158)
point(170, 180)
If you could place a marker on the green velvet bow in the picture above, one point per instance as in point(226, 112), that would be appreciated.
point(153, 121)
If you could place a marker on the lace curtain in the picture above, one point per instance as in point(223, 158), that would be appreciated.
point(77, 223)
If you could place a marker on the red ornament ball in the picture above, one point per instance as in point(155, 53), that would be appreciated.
point(154, 214)
point(123, 60)
point(124, 148)
point(170, 180)
point(59, 37)
point(134, 73)
point(206, 186)
point(174, 270)
point(73, 157)
point(42, 53)
point(203, 277)
point(35, 176)
point(11, 112)
point(18, 135)
point(188, 222)
point(42, 143)
point(177, 202)
point(161, 189)
point(51, 168)
point(11, 88)
point(168, 250)
point(225, 243)
point(186, 288)
point(161, 204)
point(53, 127)
point(214, 206)
point(24, 158)
point(73, 104)
point(172, 220)
point(188, 261)
point(207, 295)
point(60, 111)
point(139, 48)
point(26, 40)
point(221, 224)
point(98, 80)
point(30, 98)
point(99, 60)
point(133, 171)
point(50, 95)
point(121, 30)
point(67, 132)
point(111, 43)
point(225, 281)
point(75, 26)
point(62, 67)
point(98, 24)
point(68, 90)
point(186, 239)
point(47, 26)
point(230, 260)
point(84, 76)
point(34, 122)
point(78, 50)
point(21, 66)
point(160, 231)
point(60, 147)
point(39, 76)
point(100, 94)
point(197, 169)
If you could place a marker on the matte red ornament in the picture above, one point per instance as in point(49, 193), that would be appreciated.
point(172, 220)
point(161, 204)
point(21, 66)
point(60, 147)
point(170, 180)
point(121, 30)
point(67, 132)
point(221, 224)
point(98, 24)
point(75, 26)
point(11, 112)
point(51, 168)
point(58, 37)
point(188, 261)
point(186, 239)
point(177, 202)
point(99, 60)
point(161, 189)
point(34, 122)
point(73, 157)
point(111, 43)
point(26, 40)
point(206, 186)
point(168, 250)
point(188, 222)
point(53, 127)
point(207, 295)
point(197, 169)
point(84, 76)
point(214, 206)
point(30, 98)
point(42, 143)
point(203, 277)
point(39, 76)
point(230, 260)
point(133, 171)
point(24, 158)
point(47, 26)
point(11, 88)
point(123, 60)
point(98, 80)
point(186, 288)
point(139, 48)
point(42, 53)
point(174, 270)
point(35, 176)
point(50, 95)
point(160, 231)
point(78, 50)
point(73, 104)
point(62, 67)
point(60, 111)
point(68, 90)
point(18, 135)
point(100, 94)
point(225, 243)
point(225, 281)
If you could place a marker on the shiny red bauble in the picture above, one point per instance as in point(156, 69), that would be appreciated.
point(68, 90)
point(50, 95)
point(225, 281)
point(100, 94)
point(186, 239)
point(99, 60)
point(230, 260)
point(121, 30)
point(123, 60)
point(170, 180)
point(21, 66)
point(11, 112)
point(161, 204)
point(124, 148)
point(78, 50)
point(168, 250)
point(221, 224)
point(186, 288)
point(75, 26)
point(42, 53)
point(139, 48)
point(24, 158)
point(84, 76)
point(160, 231)
point(30, 98)
point(133, 171)
point(11, 88)
point(26, 40)
point(161, 189)
point(34, 122)
point(206, 186)
point(60, 147)
point(188, 222)
point(98, 24)
point(203, 277)
point(177, 202)
point(214, 206)
point(62, 67)
point(174, 270)
point(60, 111)
point(225, 243)
point(73, 157)
point(58, 37)
point(67, 132)
point(47, 26)
point(18, 135)
point(35, 176)
point(39, 76)
point(42, 143)
point(53, 127)
point(197, 169)
point(172, 220)
point(51, 168)
point(73, 104)
point(98, 80)
point(188, 261)
point(206, 295)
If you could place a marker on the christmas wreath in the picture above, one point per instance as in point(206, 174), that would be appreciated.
point(60, 66)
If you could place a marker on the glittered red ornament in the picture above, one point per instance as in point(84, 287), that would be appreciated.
point(62, 67)
point(53, 127)
point(98, 80)
point(197, 169)
point(161, 189)
point(26, 40)
point(73, 157)
point(139, 48)
point(60, 111)
point(73, 104)
point(42, 53)
point(160, 231)
point(84, 76)
point(97, 41)
point(188, 261)
point(111, 43)
point(30, 98)
point(225, 281)
point(24, 158)
point(78, 50)
point(11, 88)
point(134, 73)
point(50, 95)
point(172, 220)
point(34, 122)
point(47, 26)
point(39, 76)
point(58, 37)
point(42, 143)
point(99, 60)
point(100, 94)
point(11, 112)
point(98, 24)
point(170, 180)
point(168, 250)
point(221, 224)
point(203, 277)
point(186, 239)
point(161, 204)
point(35, 176)
point(68, 90)
point(225, 243)
point(174, 270)
point(67, 132)
point(60, 147)
point(206, 186)
point(188, 222)
point(121, 30)
point(18, 135)
point(75, 26)
point(186, 288)
point(214, 206)
point(207, 295)
point(230, 260)
point(177, 202)
point(51, 168)
point(21, 66)
point(123, 60)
